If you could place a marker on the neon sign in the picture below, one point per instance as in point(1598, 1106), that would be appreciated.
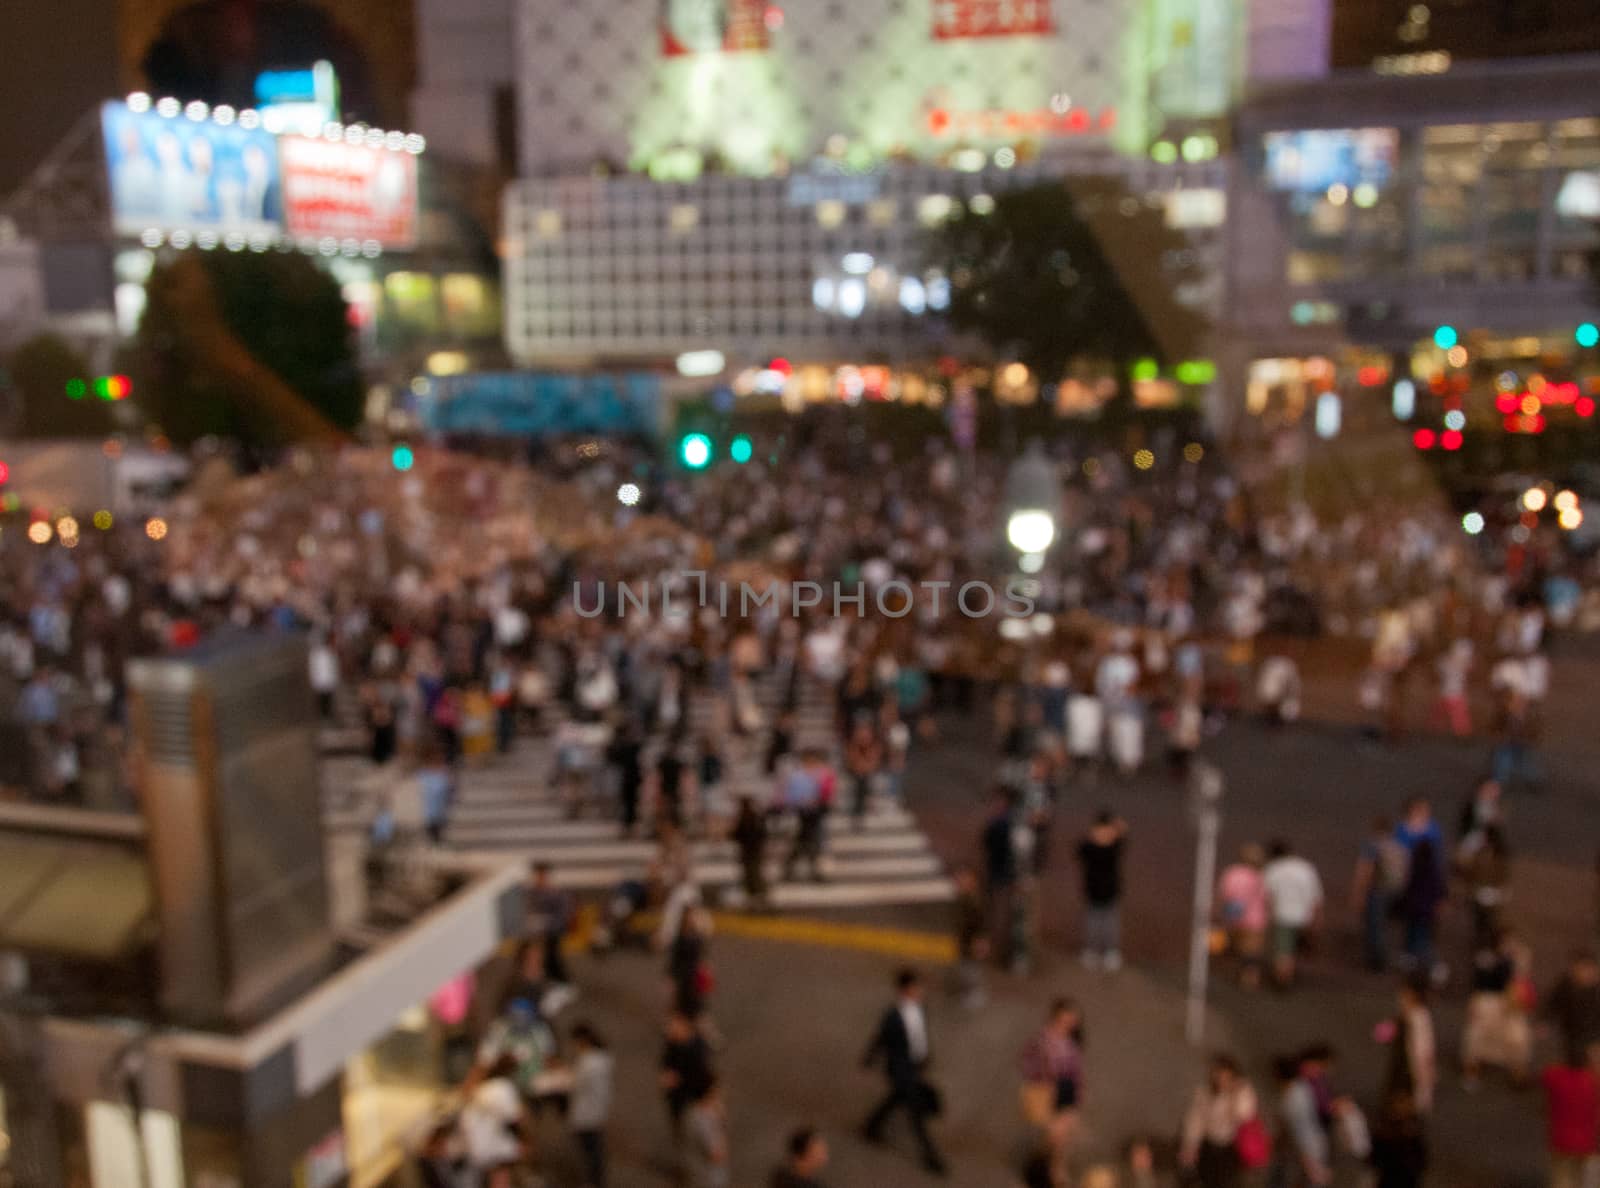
point(1044, 121)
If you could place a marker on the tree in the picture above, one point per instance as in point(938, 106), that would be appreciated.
point(252, 346)
point(50, 379)
point(1062, 273)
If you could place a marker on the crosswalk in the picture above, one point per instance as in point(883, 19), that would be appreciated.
point(510, 806)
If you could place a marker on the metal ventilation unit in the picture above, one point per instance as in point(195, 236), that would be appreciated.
point(225, 747)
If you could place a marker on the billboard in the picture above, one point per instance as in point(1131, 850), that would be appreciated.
point(1315, 159)
point(712, 26)
point(523, 403)
point(956, 19)
point(338, 190)
point(182, 174)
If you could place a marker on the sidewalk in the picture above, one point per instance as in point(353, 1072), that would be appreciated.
point(797, 1017)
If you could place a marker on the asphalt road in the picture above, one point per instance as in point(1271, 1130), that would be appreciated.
point(794, 1016)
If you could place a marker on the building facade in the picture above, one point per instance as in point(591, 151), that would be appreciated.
point(759, 179)
point(816, 266)
point(642, 84)
point(1378, 221)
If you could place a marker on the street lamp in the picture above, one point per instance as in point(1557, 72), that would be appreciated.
point(1205, 803)
point(1033, 494)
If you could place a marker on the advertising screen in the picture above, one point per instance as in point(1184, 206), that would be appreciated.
point(175, 173)
point(712, 26)
point(1314, 160)
point(955, 19)
point(335, 190)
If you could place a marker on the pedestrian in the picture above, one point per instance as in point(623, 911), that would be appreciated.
point(323, 665)
point(1223, 1107)
point(972, 939)
point(1485, 807)
point(625, 757)
point(1305, 1159)
point(685, 1070)
point(1413, 1066)
point(1573, 1005)
point(494, 1127)
point(1483, 861)
point(1000, 871)
point(863, 759)
point(437, 785)
point(750, 836)
point(688, 967)
point(1572, 1109)
point(1294, 900)
point(1419, 904)
point(549, 920)
point(807, 792)
point(1382, 870)
point(1455, 668)
point(1052, 1072)
point(1399, 1144)
point(1242, 894)
point(805, 1161)
point(1498, 1030)
point(1100, 855)
point(589, 1104)
point(902, 1044)
point(707, 1139)
point(780, 742)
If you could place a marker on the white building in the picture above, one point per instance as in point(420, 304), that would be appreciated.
point(816, 266)
point(758, 178)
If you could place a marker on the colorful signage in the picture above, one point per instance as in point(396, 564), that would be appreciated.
point(175, 173)
point(1001, 123)
point(955, 19)
point(1315, 159)
point(521, 403)
point(342, 191)
point(712, 26)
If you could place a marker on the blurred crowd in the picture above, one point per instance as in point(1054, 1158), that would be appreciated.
point(450, 609)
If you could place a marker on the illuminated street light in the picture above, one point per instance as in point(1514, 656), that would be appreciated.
point(1033, 492)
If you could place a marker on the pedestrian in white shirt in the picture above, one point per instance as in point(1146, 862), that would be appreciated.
point(589, 1104)
point(1294, 899)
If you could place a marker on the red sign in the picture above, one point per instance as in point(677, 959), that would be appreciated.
point(334, 190)
point(954, 19)
point(998, 122)
point(715, 26)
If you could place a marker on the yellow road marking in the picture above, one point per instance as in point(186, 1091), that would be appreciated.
point(894, 942)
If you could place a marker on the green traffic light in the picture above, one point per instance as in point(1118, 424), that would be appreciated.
point(695, 450)
point(402, 458)
point(1587, 334)
point(1445, 337)
point(740, 449)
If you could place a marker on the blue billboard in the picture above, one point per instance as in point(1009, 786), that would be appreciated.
point(529, 404)
point(174, 173)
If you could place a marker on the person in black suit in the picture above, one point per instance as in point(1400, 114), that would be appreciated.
point(902, 1044)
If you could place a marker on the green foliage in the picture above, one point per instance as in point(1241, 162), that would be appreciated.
point(43, 370)
point(280, 308)
point(1058, 274)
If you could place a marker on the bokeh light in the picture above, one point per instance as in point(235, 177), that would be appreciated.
point(40, 532)
point(1570, 518)
point(629, 494)
point(1472, 523)
point(1534, 499)
point(155, 528)
point(1144, 459)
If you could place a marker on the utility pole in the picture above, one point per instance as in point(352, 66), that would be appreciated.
point(1205, 803)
